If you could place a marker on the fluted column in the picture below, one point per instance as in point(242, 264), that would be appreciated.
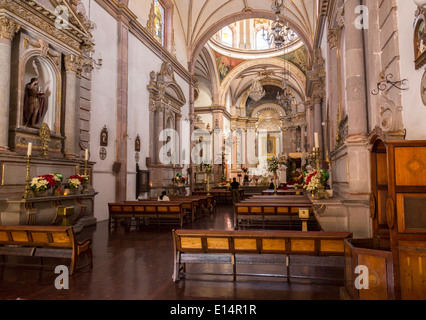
point(71, 104)
point(8, 29)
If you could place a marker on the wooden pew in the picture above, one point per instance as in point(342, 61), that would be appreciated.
point(190, 205)
point(44, 242)
point(219, 194)
point(283, 192)
point(257, 247)
point(157, 210)
point(267, 213)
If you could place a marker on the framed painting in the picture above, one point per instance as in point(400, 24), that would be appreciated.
point(420, 41)
point(270, 146)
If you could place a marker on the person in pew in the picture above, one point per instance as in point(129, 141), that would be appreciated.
point(235, 189)
point(272, 185)
point(163, 197)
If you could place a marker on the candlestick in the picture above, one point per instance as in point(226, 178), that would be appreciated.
point(28, 193)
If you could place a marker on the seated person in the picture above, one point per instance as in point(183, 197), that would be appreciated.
point(272, 185)
point(163, 197)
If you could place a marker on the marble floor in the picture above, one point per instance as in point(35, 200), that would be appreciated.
point(138, 265)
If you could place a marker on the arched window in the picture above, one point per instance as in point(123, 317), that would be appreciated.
point(159, 21)
point(261, 43)
point(227, 37)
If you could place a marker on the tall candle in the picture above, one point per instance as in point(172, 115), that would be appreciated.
point(87, 155)
point(30, 149)
point(316, 140)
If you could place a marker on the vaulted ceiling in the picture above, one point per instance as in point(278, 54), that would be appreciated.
point(201, 19)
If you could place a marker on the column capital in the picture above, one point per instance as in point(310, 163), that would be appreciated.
point(8, 28)
point(332, 38)
point(73, 64)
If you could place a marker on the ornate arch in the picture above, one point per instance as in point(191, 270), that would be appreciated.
point(298, 77)
point(246, 14)
point(53, 63)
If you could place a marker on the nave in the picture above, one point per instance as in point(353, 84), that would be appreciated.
point(138, 265)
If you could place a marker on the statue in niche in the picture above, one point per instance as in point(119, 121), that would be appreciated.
point(34, 103)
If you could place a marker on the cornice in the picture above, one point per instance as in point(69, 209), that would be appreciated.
point(212, 109)
point(122, 13)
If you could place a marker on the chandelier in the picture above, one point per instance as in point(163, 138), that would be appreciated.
point(280, 33)
point(88, 62)
point(256, 91)
point(286, 99)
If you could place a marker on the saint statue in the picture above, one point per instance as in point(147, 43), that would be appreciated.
point(34, 103)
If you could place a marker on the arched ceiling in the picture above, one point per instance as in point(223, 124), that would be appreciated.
point(201, 19)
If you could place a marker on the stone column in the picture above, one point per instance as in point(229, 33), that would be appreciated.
point(8, 29)
point(159, 128)
point(71, 105)
point(178, 129)
point(318, 121)
point(355, 74)
point(302, 138)
point(309, 125)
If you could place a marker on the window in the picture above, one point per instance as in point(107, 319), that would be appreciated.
point(227, 38)
point(261, 43)
point(159, 20)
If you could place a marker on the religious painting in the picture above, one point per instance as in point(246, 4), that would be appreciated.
point(226, 65)
point(104, 137)
point(269, 146)
point(420, 41)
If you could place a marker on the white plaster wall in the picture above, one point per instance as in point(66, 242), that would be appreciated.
point(414, 112)
point(103, 112)
point(185, 125)
point(142, 62)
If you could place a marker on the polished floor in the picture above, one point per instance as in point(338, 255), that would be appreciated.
point(138, 265)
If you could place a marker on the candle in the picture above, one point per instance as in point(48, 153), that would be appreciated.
point(316, 140)
point(87, 155)
point(30, 149)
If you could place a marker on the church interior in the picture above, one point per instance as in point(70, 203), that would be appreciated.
point(212, 150)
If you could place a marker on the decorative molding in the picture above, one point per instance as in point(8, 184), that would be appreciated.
point(8, 28)
point(123, 13)
point(44, 49)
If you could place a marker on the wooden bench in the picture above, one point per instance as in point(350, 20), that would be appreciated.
point(44, 242)
point(262, 213)
point(156, 210)
point(284, 248)
point(219, 194)
point(283, 192)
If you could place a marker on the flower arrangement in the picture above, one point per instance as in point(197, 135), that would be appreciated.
point(313, 182)
point(179, 179)
point(75, 181)
point(208, 168)
point(43, 183)
point(273, 165)
point(223, 185)
point(244, 169)
point(316, 181)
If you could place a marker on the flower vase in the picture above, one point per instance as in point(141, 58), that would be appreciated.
point(40, 193)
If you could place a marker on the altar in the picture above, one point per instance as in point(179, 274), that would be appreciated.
point(71, 210)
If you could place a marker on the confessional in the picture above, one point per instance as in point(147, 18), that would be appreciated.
point(396, 255)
